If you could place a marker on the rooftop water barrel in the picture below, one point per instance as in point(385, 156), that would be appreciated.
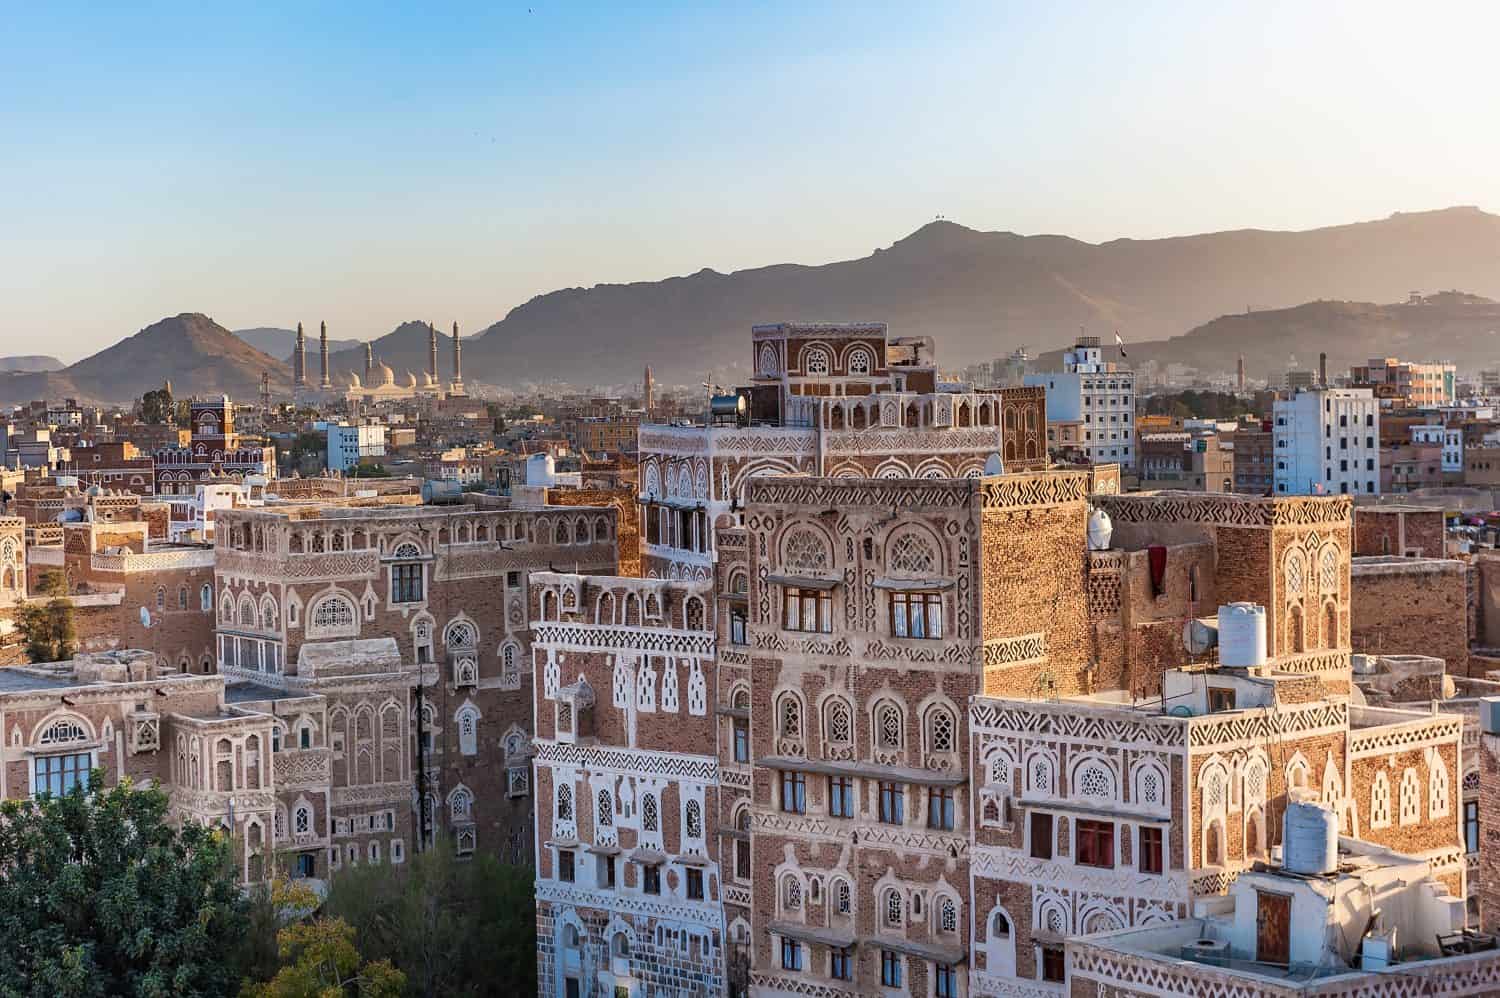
point(1242, 635)
point(1101, 529)
point(1310, 839)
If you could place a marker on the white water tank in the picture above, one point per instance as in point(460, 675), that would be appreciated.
point(1101, 529)
point(1310, 838)
point(540, 469)
point(1242, 635)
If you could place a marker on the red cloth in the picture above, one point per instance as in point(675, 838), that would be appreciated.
point(1157, 553)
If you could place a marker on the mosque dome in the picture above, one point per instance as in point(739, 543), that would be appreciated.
point(387, 376)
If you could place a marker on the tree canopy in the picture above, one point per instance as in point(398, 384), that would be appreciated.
point(319, 960)
point(454, 927)
point(99, 895)
point(47, 628)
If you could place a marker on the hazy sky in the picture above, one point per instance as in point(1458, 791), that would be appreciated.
point(267, 164)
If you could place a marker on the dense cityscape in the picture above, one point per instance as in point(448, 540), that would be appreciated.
point(863, 677)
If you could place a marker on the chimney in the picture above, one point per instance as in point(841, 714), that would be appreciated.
point(1323, 369)
point(323, 349)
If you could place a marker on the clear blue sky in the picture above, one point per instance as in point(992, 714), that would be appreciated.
point(270, 163)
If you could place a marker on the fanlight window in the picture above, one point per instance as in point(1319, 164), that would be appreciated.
point(333, 612)
point(460, 635)
point(805, 551)
point(407, 551)
point(817, 362)
point(859, 362)
point(912, 554)
point(63, 732)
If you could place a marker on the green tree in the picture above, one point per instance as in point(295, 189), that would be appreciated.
point(157, 406)
point(48, 629)
point(319, 960)
point(369, 471)
point(100, 895)
point(453, 927)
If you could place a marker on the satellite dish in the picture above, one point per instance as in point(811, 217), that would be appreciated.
point(145, 617)
point(993, 465)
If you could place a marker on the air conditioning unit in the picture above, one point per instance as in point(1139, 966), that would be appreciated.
point(1489, 715)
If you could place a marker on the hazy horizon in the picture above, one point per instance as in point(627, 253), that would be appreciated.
point(265, 166)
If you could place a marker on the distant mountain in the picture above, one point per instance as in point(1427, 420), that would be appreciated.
point(981, 294)
point(196, 354)
point(30, 363)
point(1453, 326)
point(282, 342)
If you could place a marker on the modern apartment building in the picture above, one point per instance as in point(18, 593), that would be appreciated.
point(1098, 393)
point(1327, 442)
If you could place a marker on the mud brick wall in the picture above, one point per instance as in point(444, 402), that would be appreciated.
point(1412, 607)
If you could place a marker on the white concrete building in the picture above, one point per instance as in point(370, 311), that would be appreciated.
point(1098, 393)
point(348, 445)
point(1327, 441)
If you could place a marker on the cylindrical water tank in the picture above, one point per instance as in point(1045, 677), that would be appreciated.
point(1242, 635)
point(1101, 529)
point(540, 469)
point(1310, 838)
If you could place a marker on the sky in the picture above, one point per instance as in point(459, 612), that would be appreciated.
point(272, 163)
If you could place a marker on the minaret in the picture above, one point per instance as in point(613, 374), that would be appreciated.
point(457, 387)
point(323, 351)
point(1242, 372)
point(299, 360)
point(369, 362)
point(432, 367)
point(647, 390)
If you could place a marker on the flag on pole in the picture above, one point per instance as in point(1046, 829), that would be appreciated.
point(1119, 343)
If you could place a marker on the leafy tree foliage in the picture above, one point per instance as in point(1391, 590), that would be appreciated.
point(157, 407)
point(319, 960)
point(48, 629)
point(1193, 404)
point(369, 471)
point(99, 895)
point(454, 927)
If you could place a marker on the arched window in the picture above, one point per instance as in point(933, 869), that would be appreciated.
point(912, 553)
point(1438, 798)
point(206, 598)
point(859, 362)
point(790, 714)
point(842, 898)
point(1328, 569)
point(815, 362)
point(805, 550)
point(839, 723)
point(895, 908)
point(1095, 781)
point(468, 730)
point(605, 809)
point(1411, 798)
point(940, 730)
point(888, 726)
point(791, 893)
point(947, 915)
point(302, 820)
point(1380, 800)
point(161, 598)
point(564, 802)
point(650, 819)
point(461, 803)
point(1294, 573)
point(693, 824)
point(460, 634)
point(332, 614)
point(62, 733)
